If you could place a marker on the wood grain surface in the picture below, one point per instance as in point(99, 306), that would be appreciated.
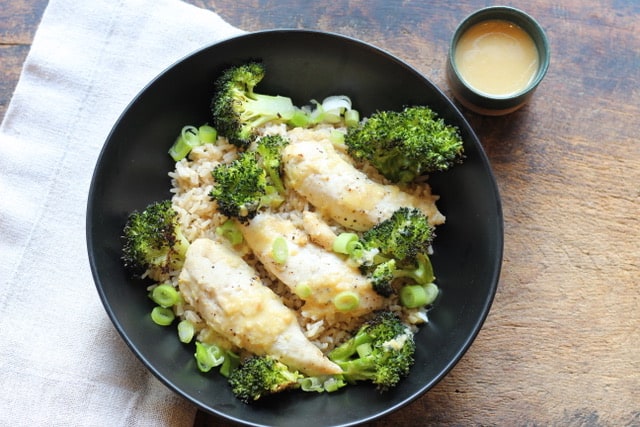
point(561, 344)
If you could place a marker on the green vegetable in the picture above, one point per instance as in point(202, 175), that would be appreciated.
point(270, 149)
point(231, 362)
point(403, 145)
point(381, 351)
point(346, 243)
point(162, 316)
point(238, 110)
point(186, 331)
point(153, 240)
point(320, 384)
point(208, 356)
point(303, 290)
point(259, 376)
point(346, 301)
point(432, 291)
point(207, 134)
point(351, 118)
point(165, 295)
point(239, 187)
point(252, 181)
point(230, 231)
point(334, 110)
point(396, 248)
point(189, 138)
point(413, 296)
point(280, 250)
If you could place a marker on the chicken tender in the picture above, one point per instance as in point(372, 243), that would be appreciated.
point(323, 273)
point(319, 231)
point(315, 170)
point(234, 302)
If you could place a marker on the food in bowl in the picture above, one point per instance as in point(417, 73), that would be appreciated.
point(296, 245)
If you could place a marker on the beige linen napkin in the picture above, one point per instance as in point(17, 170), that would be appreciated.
point(61, 361)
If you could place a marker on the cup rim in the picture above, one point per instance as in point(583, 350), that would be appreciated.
point(505, 13)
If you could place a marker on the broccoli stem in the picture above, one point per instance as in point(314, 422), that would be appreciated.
point(421, 274)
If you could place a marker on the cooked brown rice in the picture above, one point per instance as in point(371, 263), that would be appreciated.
point(191, 183)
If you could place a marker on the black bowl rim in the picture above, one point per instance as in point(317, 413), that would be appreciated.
point(486, 306)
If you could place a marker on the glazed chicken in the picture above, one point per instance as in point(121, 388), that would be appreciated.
point(324, 273)
point(235, 303)
point(315, 170)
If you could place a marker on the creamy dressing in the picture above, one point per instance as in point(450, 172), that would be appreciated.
point(496, 57)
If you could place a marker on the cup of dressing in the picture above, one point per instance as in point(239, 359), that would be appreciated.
point(497, 57)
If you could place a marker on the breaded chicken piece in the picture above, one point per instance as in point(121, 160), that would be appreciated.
point(233, 301)
point(324, 273)
point(315, 170)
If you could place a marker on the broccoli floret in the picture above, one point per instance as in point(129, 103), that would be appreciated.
point(259, 376)
point(239, 186)
point(403, 145)
point(238, 110)
point(252, 181)
point(270, 150)
point(381, 351)
point(396, 248)
point(153, 240)
point(381, 276)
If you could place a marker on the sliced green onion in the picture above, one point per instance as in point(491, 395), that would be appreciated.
point(336, 103)
point(432, 292)
point(337, 138)
point(345, 243)
point(303, 290)
point(230, 231)
point(165, 295)
point(179, 150)
point(351, 118)
point(280, 250)
point(186, 331)
point(231, 362)
point(162, 316)
point(333, 383)
point(300, 118)
point(317, 114)
point(184, 143)
point(207, 134)
point(413, 296)
point(191, 137)
point(346, 301)
point(312, 384)
point(208, 356)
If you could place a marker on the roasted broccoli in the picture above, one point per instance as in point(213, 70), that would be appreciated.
point(259, 376)
point(238, 110)
point(239, 186)
point(270, 149)
point(250, 182)
point(153, 240)
point(403, 145)
point(397, 248)
point(381, 351)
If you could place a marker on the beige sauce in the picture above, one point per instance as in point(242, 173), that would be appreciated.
point(496, 57)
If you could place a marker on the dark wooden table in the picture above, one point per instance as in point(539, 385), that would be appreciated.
point(561, 345)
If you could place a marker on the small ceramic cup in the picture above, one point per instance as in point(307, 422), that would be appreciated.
point(484, 102)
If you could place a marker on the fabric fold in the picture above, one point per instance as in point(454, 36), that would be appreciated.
point(63, 363)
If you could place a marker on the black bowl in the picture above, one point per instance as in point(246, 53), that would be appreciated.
point(132, 172)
